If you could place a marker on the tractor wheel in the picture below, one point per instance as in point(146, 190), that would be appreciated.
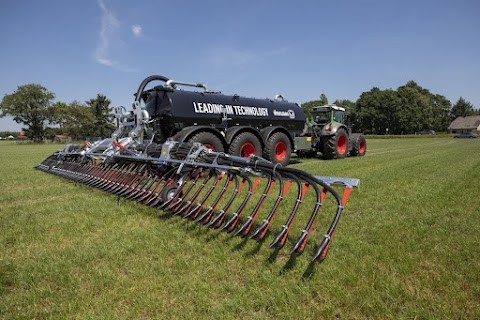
point(278, 149)
point(359, 144)
point(336, 146)
point(244, 145)
point(209, 140)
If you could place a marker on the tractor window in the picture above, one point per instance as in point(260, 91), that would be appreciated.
point(321, 117)
point(338, 116)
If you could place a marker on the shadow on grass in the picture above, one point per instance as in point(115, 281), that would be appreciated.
point(310, 271)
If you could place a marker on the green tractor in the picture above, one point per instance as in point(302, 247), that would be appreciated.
point(327, 132)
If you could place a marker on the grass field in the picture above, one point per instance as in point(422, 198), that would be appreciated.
point(407, 247)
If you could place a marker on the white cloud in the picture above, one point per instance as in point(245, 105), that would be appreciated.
point(137, 30)
point(109, 24)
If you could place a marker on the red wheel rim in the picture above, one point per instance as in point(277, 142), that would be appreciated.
point(280, 151)
point(362, 147)
point(341, 145)
point(247, 149)
point(209, 146)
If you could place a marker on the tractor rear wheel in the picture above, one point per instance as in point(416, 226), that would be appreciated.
point(278, 149)
point(245, 144)
point(359, 144)
point(336, 146)
point(209, 140)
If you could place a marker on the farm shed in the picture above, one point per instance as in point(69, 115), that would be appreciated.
point(62, 138)
point(465, 124)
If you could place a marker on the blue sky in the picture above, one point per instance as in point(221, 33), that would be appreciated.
point(255, 48)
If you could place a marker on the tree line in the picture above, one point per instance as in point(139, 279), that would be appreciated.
point(33, 106)
point(407, 109)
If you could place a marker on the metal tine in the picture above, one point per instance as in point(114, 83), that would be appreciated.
point(322, 249)
point(281, 237)
point(261, 231)
point(156, 197)
point(109, 176)
point(122, 177)
point(179, 196)
point(152, 179)
point(62, 169)
point(245, 228)
point(97, 175)
point(204, 218)
point(128, 185)
point(159, 179)
point(230, 224)
point(217, 221)
point(136, 179)
point(114, 174)
point(193, 213)
point(76, 171)
point(300, 244)
point(93, 174)
point(189, 203)
point(146, 181)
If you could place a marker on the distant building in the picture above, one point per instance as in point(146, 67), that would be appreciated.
point(465, 124)
point(62, 138)
point(22, 138)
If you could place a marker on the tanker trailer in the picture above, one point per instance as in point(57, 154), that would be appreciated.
point(232, 124)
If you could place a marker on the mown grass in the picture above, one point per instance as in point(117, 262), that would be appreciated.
point(407, 247)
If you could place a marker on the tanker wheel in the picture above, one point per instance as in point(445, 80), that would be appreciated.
point(278, 149)
point(336, 146)
point(359, 143)
point(245, 144)
point(209, 140)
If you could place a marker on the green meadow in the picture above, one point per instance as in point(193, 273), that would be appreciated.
point(406, 247)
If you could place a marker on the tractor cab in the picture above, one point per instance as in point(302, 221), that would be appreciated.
point(330, 113)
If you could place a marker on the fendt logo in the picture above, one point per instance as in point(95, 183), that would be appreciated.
point(288, 113)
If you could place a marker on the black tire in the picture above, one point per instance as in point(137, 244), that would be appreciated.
point(244, 144)
point(359, 145)
point(336, 146)
point(153, 150)
point(278, 149)
point(209, 140)
point(168, 192)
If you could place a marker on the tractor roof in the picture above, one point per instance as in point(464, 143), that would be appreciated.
point(328, 107)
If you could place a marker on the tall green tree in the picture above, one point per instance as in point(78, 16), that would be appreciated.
point(377, 111)
point(29, 105)
point(462, 108)
point(408, 109)
point(75, 119)
point(307, 106)
point(416, 111)
point(442, 109)
point(102, 114)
